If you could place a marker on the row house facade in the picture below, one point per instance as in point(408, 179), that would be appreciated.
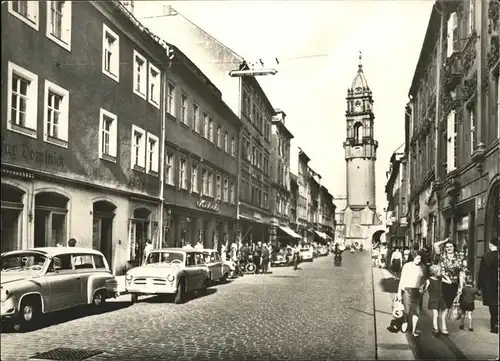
point(396, 209)
point(327, 208)
point(304, 199)
point(80, 149)
point(283, 213)
point(454, 152)
point(247, 100)
point(201, 159)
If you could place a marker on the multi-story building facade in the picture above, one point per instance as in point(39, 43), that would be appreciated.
point(454, 154)
point(396, 209)
point(201, 159)
point(304, 200)
point(244, 96)
point(80, 134)
point(280, 199)
point(326, 214)
point(294, 198)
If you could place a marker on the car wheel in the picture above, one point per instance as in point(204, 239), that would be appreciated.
point(224, 277)
point(99, 299)
point(29, 315)
point(179, 295)
point(134, 297)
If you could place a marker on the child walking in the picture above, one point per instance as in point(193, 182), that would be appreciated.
point(467, 301)
point(436, 300)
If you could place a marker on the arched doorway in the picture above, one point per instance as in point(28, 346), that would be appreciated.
point(377, 237)
point(492, 212)
point(140, 232)
point(51, 210)
point(102, 231)
point(12, 207)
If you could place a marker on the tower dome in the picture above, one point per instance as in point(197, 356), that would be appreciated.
point(359, 82)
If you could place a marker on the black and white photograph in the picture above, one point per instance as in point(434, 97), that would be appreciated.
point(250, 180)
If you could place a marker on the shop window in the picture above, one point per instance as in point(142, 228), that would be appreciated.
point(141, 229)
point(12, 206)
point(102, 232)
point(50, 219)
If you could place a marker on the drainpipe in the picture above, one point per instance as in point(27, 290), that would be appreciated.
point(238, 165)
point(437, 137)
point(159, 238)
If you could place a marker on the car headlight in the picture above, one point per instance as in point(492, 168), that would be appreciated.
point(170, 278)
point(129, 277)
point(4, 294)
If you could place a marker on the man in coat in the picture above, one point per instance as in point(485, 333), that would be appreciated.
point(487, 282)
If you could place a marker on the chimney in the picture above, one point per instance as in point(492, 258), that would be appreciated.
point(129, 5)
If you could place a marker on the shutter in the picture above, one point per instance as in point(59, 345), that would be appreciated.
point(450, 142)
point(449, 46)
point(32, 110)
point(66, 22)
point(142, 152)
point(132, 148)
point(113, 138)
point(64, 125)
point(131, 239)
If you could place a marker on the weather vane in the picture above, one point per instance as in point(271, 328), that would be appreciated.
point(360, 59)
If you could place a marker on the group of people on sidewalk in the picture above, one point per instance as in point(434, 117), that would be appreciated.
point(450, 285)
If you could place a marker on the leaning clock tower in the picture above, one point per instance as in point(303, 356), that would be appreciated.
point(360, 145)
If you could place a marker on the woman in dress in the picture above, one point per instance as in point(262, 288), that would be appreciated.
point(453, 276)
point(396, 258)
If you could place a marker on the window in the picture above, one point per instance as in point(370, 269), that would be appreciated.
point(453, 40)
point(171, 99)
point(154, 86)
point(182, 174)
point(196, 118)
point(138, 147)
point(210, 187)
point(26, 11)
point(153, 153)
point(204, 182)
point(218, 187)
point(184, 112)
point(194, 178)
point(205, 124)
point(218, 135)
point(110, 53)
point(99, 261)
point(231, 194)
point(140, 76)
point(210, 135)
point(451, 138)
point(169, 171)
point(108, 123)
point(226, 145)
point(225, 194)
point(59, 23)
point(56, 115)
point(22, 100)
point(233, 146)
point(83, 261)
point(472, 129)
point(358, 136)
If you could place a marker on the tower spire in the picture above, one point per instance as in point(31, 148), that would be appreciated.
point(360, 65)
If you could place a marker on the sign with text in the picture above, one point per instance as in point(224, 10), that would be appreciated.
point(207, 205)
point(32, 155)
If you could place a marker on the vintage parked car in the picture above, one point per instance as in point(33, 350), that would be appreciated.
point(323, 251)
point(306, 254)
point(220, 270)
point(41, 280)
point(279, 259)
point(169, 271)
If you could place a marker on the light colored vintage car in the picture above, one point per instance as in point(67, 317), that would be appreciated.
point(169, 271)
point(41, 280)
point(220, 270)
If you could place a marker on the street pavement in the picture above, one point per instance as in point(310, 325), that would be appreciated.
point(317, 312)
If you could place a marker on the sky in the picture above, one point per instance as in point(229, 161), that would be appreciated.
point(317, 44)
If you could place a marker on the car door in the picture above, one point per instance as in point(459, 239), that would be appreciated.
point(64, 285)
point(210, 262)
point(84, 268)
point(191, 272)
point(216, 265)
point(201, 266)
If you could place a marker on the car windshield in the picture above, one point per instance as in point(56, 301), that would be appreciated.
point(304, 250)
point(19, 262)
point(165, 257)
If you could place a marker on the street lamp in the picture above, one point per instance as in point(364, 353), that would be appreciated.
point(259, 72)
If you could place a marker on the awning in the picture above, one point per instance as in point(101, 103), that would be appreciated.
point(290, 232)
point(322, 235)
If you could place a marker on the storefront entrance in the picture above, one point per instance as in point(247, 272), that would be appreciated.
point(492, 213)
point(51, 209)
point(102, 231)
point(12, 206)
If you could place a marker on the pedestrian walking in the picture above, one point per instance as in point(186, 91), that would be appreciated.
point(147, 249)
point(199, 245)
point(265, 255)
point(467, 299)
point(257, 252)
point(410, 290)
point(396, 258)
point(436, 301)
point(487, 281)
point(452, 276)
point(296, 253)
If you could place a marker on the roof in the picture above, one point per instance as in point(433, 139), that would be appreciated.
point(431, 35)
point(55, 251)
point(359, 80)
point(282, 127)
point(244, 66)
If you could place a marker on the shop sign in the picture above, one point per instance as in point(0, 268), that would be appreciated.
point(23, 151)
point(207, 205)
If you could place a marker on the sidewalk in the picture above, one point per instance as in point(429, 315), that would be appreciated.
point(390, 346)
point(477, 345)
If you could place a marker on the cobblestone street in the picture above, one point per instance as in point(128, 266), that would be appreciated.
point(317, 312)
